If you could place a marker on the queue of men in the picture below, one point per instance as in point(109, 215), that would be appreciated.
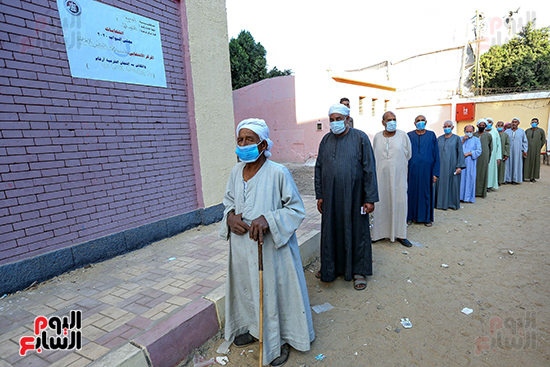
point(400, 178)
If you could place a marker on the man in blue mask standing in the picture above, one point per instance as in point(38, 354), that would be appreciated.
point(392, 151)
point(482, 175)
point(263, 206)
point(471, 146)
point(536, 138)
point(447, 189)
point(346, 190)
point(423, 172)
point(496, 156)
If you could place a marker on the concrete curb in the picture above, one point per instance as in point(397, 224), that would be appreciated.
point(175, 336)
point(128, 355)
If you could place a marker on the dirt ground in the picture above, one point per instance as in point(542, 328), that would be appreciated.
point(498, 266)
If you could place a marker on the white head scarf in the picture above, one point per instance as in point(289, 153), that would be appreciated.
point(489, 118)
point(338, 108)
point(260, 128)
point(480, 121)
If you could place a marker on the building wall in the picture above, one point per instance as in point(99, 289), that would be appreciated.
point(317, 91)
point(211, 107)
point(435, 115)
point(81, 158)
point(294, 106)
point(505, 111)
point(273, 100)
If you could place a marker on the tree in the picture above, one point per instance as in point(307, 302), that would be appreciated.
point(522, 62)
point(248, 62)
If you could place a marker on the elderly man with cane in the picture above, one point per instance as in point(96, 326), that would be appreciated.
point(263, 209)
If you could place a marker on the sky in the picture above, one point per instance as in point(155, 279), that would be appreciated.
point(306, 35)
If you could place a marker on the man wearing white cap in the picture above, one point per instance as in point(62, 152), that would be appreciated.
point(263, 205)
point(496, 155)
point(518, 151)
point(482, 175)
point(346, 190)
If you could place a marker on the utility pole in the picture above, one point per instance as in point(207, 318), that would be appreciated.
point(477, 52)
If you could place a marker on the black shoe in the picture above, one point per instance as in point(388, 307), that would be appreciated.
point(244, 340)
point(280, 360)
point(405, 242)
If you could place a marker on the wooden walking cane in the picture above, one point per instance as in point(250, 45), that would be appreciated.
point(261, 273)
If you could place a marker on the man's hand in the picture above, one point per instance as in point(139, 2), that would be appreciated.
point(458, 170)
point(320, 205)
point(505, 158)
point(524, 154)
point(435, 178)
point(258, 228)
point(467, 154)
point(368, 207)
point(236, 223)
point(498, 162)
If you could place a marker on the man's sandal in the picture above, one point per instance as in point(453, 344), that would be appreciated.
point(359, 282)
point(281, 360)
point(244, 340)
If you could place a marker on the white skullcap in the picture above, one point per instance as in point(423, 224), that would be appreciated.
point(489, 118)
point(260, 128)
point(480, 121)
point(339, 108)
point(515, 118)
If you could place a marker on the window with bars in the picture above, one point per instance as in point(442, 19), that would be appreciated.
point(374, 106)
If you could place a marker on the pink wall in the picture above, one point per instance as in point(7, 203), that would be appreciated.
point(274, 100)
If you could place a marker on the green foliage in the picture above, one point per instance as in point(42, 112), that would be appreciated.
point(522, 62)
point(248, 62)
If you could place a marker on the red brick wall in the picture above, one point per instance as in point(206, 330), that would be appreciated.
point(81, 158)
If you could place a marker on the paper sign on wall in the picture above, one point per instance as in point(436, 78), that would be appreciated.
point(107, 43)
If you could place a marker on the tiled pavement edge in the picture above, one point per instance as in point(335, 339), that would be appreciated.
point(140, 307)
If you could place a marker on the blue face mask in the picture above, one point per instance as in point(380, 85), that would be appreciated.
point(391, 126)
point(489, 127)
point(469, 135)
point(448, 130)
point(248, 153)
point(421, 125)
point(500, 129)
point(338, 127)
point(534, 124)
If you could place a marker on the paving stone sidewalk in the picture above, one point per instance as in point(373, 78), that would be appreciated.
point(124, 296)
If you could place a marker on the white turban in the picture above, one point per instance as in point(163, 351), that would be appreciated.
point(260, 128)
point(489, 118)
point(480, 121)
point(339, 108)
point(515, 118)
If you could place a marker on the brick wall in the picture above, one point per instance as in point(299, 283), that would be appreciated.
point(81, 158)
